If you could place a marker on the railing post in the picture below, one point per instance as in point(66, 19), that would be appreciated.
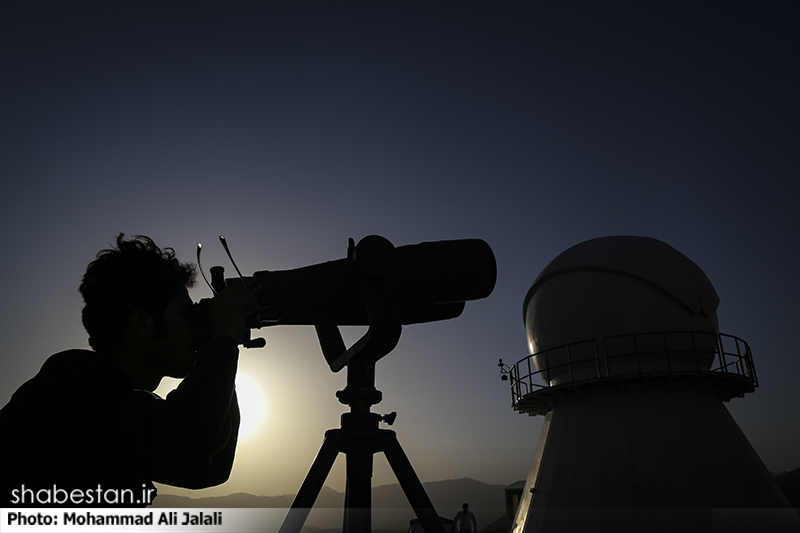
point(596, 358)
point(720, 352)
point(547, 367)
point(569, 365)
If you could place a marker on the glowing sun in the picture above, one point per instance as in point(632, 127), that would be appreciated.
point(252, 405)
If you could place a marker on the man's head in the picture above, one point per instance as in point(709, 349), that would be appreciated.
point(465, 506)
point(134, 275)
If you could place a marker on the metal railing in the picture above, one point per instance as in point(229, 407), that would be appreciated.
point(635, 355)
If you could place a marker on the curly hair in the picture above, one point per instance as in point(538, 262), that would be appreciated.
point(136, 274)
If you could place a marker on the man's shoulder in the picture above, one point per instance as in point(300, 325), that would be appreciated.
point(74, 356)
point(73, 370)
point(71, 389)
point(78, 362)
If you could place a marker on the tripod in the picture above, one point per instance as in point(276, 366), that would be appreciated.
point(359, 437)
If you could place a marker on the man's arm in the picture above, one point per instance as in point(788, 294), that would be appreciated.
point(170, 439)
point(194, 431)
point(221, 465)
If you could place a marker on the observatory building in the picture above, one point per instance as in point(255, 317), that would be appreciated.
point(630, 371)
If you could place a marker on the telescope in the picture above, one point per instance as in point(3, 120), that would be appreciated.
point(427, 282)
point(384, 288)
point(420, 283)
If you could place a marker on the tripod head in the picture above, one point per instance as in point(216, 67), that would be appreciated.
point(382, 275)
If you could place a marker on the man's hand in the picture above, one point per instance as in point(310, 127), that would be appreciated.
point(228, 310)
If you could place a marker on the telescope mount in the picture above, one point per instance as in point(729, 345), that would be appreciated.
point(359, 436)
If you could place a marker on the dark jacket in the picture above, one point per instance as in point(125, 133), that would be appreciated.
point(79, 424)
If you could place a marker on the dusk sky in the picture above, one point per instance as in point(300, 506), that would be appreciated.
point(290, 127)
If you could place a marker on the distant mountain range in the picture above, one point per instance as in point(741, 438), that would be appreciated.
point(391, 511)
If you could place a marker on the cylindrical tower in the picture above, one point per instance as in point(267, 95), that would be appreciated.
point(629, 369)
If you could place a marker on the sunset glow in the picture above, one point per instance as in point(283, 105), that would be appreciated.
point(252, 404)
point(293, 127)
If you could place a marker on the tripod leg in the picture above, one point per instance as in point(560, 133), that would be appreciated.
point(358, 494)
point(312, 485)
point(412, 486)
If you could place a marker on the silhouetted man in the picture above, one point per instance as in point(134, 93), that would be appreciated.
point(464, 521)
point(88, 430)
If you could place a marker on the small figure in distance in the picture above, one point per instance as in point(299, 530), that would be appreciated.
point(464, 522)
point(88, 430)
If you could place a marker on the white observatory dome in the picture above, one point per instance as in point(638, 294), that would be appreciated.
point(620, 305)
point(636, 436)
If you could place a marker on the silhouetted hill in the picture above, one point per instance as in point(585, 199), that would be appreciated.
point(327, 498)
point(391, 510)
point(449, 493)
